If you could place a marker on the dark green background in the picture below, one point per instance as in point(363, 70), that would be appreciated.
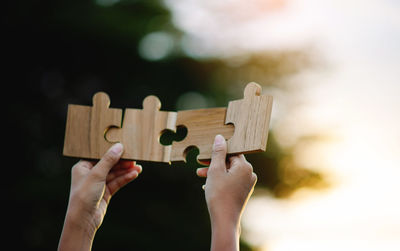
point(59, 52)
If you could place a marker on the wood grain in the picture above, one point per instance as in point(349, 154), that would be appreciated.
point(202, 126)
point(250, 116)
point(90, 131)
point(86, 126)
point(141, 131)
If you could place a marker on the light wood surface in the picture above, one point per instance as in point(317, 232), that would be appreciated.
point(86, 126)
point(141, 131)
point(250, 116)
point(90, 131)
point(202, 126)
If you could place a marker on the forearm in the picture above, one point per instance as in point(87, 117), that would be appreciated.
point(225, 235)
point(75, 236)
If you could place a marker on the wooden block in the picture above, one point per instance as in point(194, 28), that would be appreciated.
point(250, 116)
point(86, 127)
point(202, 126)
point(141, 131)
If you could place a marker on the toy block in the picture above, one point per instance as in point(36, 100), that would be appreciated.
point(202, 126)
point(250, 116)
point(141, 131)
point(86, 127)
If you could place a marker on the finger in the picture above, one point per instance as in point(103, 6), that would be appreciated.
point(254, 178)
point(127, 167)
point(237, 158)
point(120, 181)
point(83, 164)
point(108, 161)
point(138, 168)
point(235, 161)
point(202, 172)
point(126, 164)
point(82, 167)
point(218, 155)
point(93, 163)
point(116, 173)
point(239, 163)
point(204, 162)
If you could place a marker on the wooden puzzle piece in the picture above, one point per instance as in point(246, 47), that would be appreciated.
point(90, 131)
point(250, 116)
point(86, 127)
point(202, 126)
point(141, 131)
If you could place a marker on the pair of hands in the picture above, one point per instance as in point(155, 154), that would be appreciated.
point(229, 184)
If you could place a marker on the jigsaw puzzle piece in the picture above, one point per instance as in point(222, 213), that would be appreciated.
point(141, 131)
point(202, 126)
point(86, 127)
point(250, 116)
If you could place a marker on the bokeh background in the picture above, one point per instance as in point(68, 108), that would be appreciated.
point(329, 179)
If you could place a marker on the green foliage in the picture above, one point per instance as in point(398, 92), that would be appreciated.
point(60, 52)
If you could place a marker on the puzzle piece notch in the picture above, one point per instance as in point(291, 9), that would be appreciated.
point(86, 127)
point(250, 116)
point(168, 136)
point(90, 131)
point(141, 131)
point(202, 126)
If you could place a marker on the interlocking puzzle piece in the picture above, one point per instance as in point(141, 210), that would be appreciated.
point(86, 127)
point(202, 126)
point(90, 131)
point(250, 116)
point(141, 131)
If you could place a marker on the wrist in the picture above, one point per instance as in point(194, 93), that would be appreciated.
point(76, 236)
point(221, 215)
point(225, 234)
point(227, 224)
point(78, 220)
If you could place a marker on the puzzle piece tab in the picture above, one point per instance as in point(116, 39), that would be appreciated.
point(90, 131)
point(141, 131)
point(250, 116)
point(86, 126)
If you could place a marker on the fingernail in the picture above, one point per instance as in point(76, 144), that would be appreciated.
point(140, 168)
point(219, 140)
point(117, 148)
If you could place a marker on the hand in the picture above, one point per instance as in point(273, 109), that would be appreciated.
point(92, 186)
point(228, 186)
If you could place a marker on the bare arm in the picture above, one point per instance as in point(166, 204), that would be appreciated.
point(92, 186)
point(228, 187)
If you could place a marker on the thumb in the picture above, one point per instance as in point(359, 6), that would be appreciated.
point(218, 156)
point(109, 159)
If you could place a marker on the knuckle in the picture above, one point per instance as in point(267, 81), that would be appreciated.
point(247, 169)
point(254, 178)
point(79, 166)
point(249, 166)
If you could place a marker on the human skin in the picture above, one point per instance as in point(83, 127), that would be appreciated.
point(229, 184)
point(92, 186)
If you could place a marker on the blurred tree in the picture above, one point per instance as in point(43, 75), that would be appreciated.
point(59, 52)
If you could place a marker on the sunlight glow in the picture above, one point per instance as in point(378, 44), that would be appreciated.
point(355, 100)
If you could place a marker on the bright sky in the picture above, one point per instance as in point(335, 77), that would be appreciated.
point(356, 99)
